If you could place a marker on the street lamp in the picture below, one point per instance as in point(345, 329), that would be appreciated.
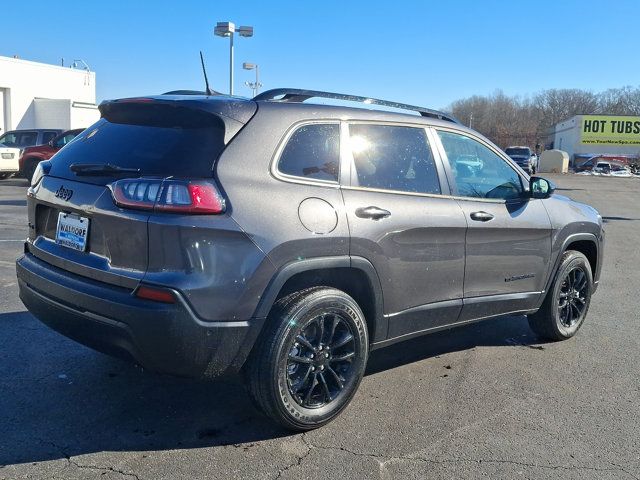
point(227, 29)
point(253, 85)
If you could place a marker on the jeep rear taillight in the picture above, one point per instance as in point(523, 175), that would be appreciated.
point(172, 196)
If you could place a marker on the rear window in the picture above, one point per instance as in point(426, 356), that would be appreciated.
point(163, 141)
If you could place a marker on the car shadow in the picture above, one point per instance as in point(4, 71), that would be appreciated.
point(60, 399)
point(512, 331)
point(606, 219)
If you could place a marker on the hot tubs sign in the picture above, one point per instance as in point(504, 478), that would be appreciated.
point(612, 130)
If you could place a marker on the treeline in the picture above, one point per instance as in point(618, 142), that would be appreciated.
point(528, 121)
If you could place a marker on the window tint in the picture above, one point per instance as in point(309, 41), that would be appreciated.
point(182, 152)
point(313, 151)
point(518, 151)
point(393, 158)
point(9, 139)
point(48, 136)
point(27, 139)
point(62, 141)
point(478, 171)
point(19, 139)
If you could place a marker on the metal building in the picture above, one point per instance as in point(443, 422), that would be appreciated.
point(39, 95)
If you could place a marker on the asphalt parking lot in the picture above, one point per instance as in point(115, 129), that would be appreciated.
point(483, 401)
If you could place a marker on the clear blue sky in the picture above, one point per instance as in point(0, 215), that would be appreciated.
point(422, 52)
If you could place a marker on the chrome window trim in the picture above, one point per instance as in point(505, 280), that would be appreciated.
point(275, 171)
point(416, 194)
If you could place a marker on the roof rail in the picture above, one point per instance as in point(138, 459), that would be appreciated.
point(299, 95)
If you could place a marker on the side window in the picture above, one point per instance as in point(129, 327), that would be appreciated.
point(9, 139)
point(47, 136)
point(478, 171)
point(393, 158)
point(27, 139)
point(312, 152)
point(62, 141)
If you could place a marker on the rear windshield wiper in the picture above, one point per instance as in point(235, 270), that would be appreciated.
point(99, 169)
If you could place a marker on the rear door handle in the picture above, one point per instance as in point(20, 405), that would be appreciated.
point(374, 213)
point(481, 216)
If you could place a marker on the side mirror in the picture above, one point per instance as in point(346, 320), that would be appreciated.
point(50, 143)
point(541, 187)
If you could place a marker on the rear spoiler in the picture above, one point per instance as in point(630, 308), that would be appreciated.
point(238, 109)
point(188, 110)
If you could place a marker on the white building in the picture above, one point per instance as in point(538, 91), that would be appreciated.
point(38, 95)
point(584, 136)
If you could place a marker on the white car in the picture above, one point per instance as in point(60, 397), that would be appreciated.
point(8, 161)
point(612, 168)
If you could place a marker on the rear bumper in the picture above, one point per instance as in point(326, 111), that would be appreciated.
point(167, 338)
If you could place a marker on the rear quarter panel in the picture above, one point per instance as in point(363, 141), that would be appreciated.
point(218, 268)
point(267, 208)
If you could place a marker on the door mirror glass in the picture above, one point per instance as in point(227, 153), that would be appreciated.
point(541, 187)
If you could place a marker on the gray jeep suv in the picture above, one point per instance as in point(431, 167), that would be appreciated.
point(202, 235)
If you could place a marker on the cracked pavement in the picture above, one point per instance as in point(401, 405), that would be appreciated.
point(483, 401)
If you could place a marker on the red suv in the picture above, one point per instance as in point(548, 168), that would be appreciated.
point(31, 156)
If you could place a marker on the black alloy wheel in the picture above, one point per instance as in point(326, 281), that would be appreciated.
point(572, 297)
point(320, 360)
point(310, 359)
point(566, 304)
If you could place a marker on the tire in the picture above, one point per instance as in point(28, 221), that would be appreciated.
point(563, 311)
point(285, 383)
point(29, 168)
point(4, 175)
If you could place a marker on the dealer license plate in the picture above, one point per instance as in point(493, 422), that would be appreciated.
point(72, 231)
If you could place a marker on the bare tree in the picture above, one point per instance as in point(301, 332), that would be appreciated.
point(556, 105)
point(620, 101)
point(510, 120)
point(505, 120)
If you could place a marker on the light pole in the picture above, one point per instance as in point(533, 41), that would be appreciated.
point(253, 85)
point(227, 29)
